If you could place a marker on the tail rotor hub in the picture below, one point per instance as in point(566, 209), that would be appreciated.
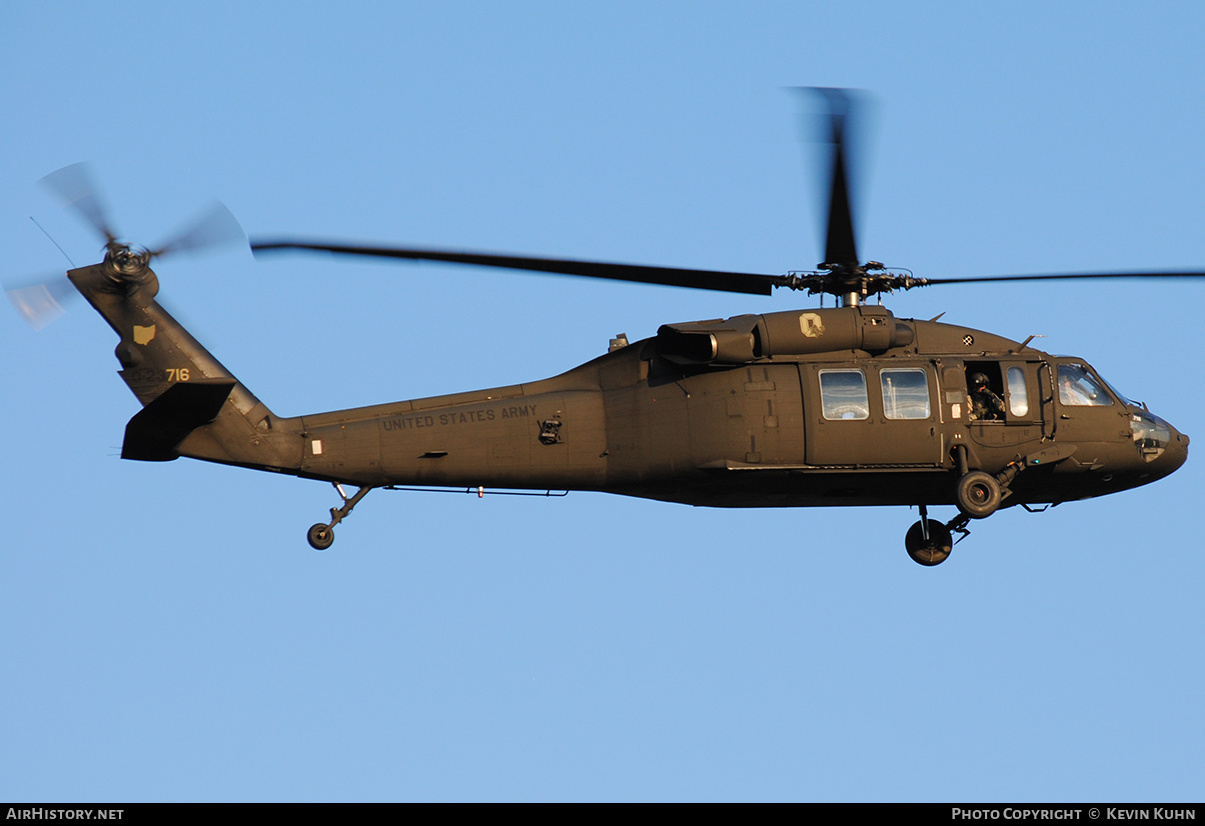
point(126, 264)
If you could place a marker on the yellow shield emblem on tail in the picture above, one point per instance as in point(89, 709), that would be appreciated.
point(143, 335)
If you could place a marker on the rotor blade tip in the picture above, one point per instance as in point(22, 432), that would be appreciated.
point(39, 304)
point(217, 227)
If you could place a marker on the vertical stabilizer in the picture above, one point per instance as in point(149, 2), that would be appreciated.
point(193, 406)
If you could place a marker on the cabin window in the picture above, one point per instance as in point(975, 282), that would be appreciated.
point(1018, 396)
point(905, 393)
point(1079, 388)
point(843, 394)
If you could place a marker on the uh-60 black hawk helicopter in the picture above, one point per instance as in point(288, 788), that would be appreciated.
point(803, 408)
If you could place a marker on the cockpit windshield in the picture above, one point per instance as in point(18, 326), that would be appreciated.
point(1079, 388)
point(1118, 393)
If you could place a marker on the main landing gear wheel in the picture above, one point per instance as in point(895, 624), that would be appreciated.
point(932, 549)
point(320, 536)
point(978, 494)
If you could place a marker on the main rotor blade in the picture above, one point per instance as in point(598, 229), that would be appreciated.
point(1192, 274)
point(733, 282)
point(73, 186)
point(840, 246)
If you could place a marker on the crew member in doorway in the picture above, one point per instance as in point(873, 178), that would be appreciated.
point(985, 405)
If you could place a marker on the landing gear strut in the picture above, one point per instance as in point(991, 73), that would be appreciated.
point(322, 536)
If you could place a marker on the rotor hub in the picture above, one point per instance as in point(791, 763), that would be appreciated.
point(126, 265)
point(126, 260)
point(851, 282)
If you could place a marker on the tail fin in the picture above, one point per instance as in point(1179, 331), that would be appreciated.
point(193, 406)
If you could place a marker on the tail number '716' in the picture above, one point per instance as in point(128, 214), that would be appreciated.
point(177, 374)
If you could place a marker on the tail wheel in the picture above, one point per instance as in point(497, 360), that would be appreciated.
point(978, 494)
point(320, 536)
point(930, 550)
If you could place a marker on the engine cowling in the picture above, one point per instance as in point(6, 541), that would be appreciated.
point(745, 338)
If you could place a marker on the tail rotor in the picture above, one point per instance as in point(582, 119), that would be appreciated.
point(43, 301)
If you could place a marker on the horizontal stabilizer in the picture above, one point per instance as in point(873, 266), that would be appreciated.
point(153, 434)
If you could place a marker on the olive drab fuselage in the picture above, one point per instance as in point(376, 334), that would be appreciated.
point(844, 406)
point(758, 433)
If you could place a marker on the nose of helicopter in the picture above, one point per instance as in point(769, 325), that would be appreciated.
point(1161, 448)
point(1180, 448)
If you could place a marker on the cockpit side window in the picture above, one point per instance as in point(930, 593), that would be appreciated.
point(1079, 388)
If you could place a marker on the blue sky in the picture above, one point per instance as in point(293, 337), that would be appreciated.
point(167, 634)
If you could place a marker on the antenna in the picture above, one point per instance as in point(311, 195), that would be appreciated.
point(56, 243)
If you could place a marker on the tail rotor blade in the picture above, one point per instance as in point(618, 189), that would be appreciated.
point(215, 228)
point(41, 303)
point(73, 186)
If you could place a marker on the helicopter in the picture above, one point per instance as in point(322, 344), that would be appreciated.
point(820, 407)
